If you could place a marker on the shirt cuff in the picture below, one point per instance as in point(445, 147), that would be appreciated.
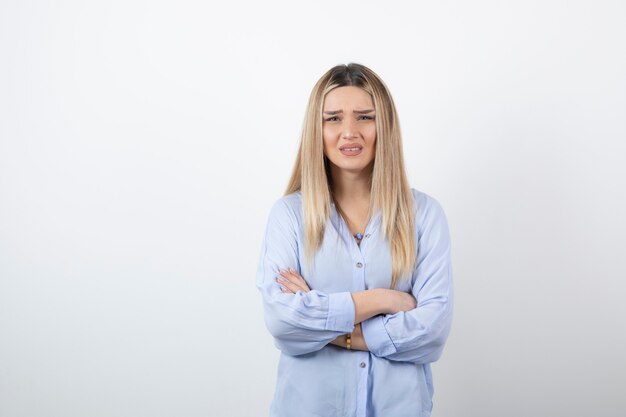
point(340, 312)
point(376, 337)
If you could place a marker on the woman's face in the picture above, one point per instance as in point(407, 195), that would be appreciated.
point(348, 122)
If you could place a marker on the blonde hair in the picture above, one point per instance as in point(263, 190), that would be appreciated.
point(390, 191)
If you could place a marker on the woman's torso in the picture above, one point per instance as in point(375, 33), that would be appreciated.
point(334, 381)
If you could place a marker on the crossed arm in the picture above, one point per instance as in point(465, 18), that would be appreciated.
point(367, 304)
point(304, 320)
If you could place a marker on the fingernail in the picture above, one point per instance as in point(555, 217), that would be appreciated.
point(292, 270)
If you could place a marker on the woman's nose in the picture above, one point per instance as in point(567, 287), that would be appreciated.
point(349, 128)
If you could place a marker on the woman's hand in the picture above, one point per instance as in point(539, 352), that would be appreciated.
point(399, 301)
point(291, 281)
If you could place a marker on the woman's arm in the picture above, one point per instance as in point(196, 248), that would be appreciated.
point(357, 341)
point(419, 335)
point(302, 322)
point(367, 304)
point(299, 323)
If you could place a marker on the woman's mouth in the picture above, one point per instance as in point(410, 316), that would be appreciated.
point(351, 151)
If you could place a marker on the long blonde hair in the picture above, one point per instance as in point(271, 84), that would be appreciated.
point(390, 191)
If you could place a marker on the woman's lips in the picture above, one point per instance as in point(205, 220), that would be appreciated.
point(351, 153)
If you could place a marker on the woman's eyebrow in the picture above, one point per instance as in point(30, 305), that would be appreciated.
point(355, 111)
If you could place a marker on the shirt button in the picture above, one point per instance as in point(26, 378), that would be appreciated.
point(359, 265)
point(367, 235)
point(362, 364)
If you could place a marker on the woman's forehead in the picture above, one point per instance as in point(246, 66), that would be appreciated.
point(348, 96)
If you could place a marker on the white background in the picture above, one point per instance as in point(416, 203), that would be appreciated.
point(143, 143)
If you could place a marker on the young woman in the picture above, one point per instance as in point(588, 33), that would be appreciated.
point(355, 270)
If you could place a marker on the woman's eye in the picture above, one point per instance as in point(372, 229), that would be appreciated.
point(362, 117)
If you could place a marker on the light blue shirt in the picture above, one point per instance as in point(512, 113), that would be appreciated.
point(317, 379)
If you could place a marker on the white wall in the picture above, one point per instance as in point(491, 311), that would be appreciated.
point(142, 144)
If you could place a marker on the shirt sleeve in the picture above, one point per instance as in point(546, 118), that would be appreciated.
point(419, 335)
point(303, 322)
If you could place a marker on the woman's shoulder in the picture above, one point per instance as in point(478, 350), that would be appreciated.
point(422, 199)
point(427, 207)
point(288, 205)
point(292, 200)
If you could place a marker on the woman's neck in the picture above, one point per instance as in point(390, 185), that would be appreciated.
point(351, 186)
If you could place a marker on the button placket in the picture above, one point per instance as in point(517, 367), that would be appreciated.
point(363, 376)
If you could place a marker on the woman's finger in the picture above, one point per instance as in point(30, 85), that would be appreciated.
point(286, 290)
point(297, 279)
point(295, 282)
point(294, 278)
point(286, 276)
point(288, 284)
